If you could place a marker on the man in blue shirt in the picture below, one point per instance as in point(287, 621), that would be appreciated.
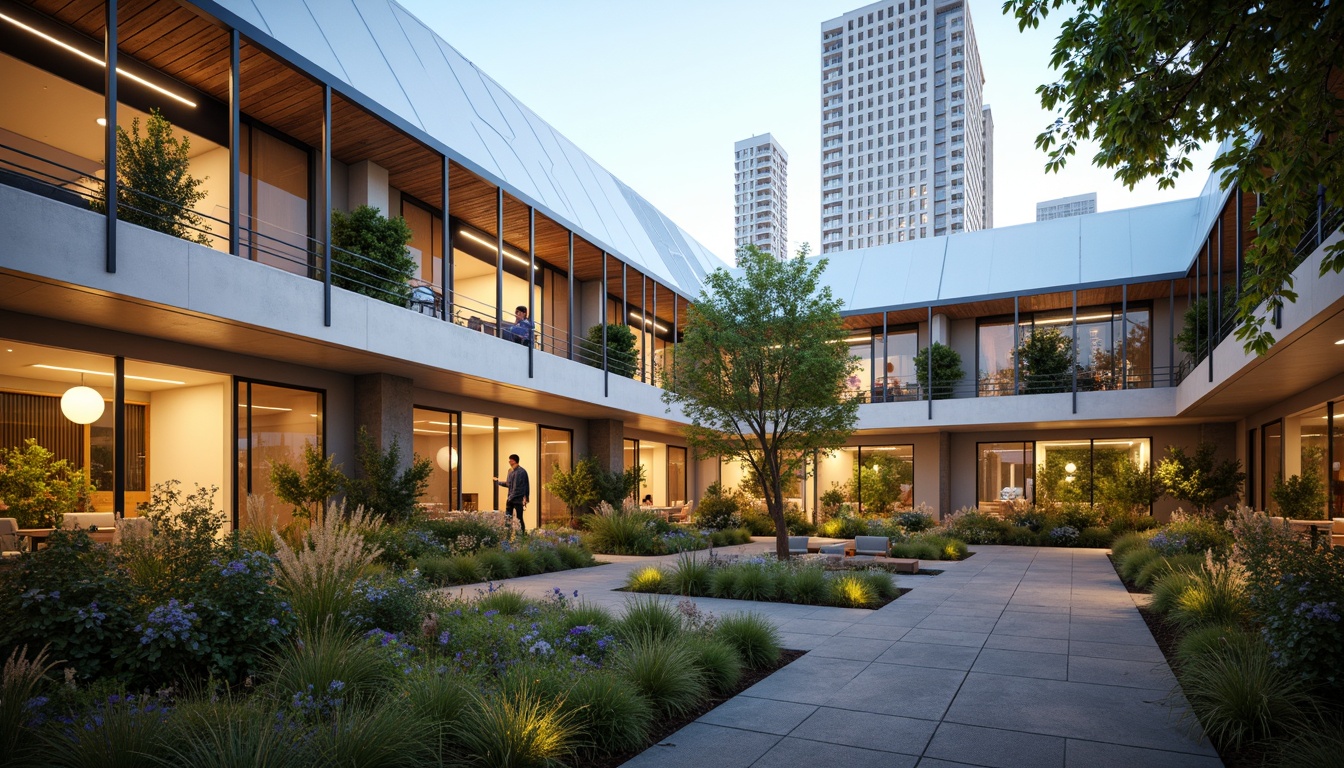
point(519, 490)
point(521, 330)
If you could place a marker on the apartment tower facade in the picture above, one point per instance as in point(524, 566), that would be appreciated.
point(902, 129)
point(760, 195)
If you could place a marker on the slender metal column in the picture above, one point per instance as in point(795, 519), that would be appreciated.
point(119, 437)
point(326, 205)
point(606, 368)
point(446, 248)
point(531, 284)
point(676, 333)
point(1124, 336)
point(885, 350)
point(499, 267)
point(1074, 363)
point(1017, 338)
point(928, 377)
point(625, 292)
point(569, 334)
point(1171, 337)
point(235, 139)
point(110, 187)
point(653, 338)
point(494, 421)
point(1208, 302)
point(1237, 243)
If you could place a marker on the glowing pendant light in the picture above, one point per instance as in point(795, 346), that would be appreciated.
point(82, 405)
point(446, 458)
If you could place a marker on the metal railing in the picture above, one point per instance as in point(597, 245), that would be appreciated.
point(1000, 385)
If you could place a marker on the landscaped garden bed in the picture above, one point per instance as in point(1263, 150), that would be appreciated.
point(1249, 617)
point(186, 648)
point(764, 579)
point(629, 530)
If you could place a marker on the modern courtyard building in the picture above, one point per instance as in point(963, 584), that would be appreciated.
point(761, 195)
point(903, 137)
point(229, 341)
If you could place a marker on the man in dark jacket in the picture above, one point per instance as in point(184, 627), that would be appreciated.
point(519, 490)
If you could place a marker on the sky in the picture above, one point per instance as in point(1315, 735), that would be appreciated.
point(658, 92)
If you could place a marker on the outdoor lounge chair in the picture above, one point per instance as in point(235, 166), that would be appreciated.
point(9, 537)
point(833, 549)
point(797, 545)
point(875, 546)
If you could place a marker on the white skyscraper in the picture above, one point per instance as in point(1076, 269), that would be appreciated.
point(902, 133)
point(987, 138)
point(760, 195)
point(1063, 207)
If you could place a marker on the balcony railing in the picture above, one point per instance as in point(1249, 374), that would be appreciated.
point(1088, 380)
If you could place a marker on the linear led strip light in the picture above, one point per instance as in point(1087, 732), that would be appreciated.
point(495, 247)
point(95, 60)
point(105, 373)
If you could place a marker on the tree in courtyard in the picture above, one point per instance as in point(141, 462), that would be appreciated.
point(1152, 82)
point(1200, 480)
point(761, 371)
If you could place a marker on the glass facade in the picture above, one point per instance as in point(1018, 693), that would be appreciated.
point(1271, 464)
point(275, 195)
point(557, 455)
point(1083, 471)
point(274, 424)
point(1103, 362)
point(873, 479)
point(438, 437)
point(1006, 472)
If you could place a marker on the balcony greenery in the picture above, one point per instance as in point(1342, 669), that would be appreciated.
point(155, 188)
point(622, 358)
point(372, 258)
point(947, 370)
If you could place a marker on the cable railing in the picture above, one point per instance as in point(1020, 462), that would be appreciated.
point(1088, 380)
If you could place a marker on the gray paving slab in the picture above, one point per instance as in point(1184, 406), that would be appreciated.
point(804, 753)
point(1091, 754)
point(995, 748)
point(1034, 644)
point(892, 689)
point(946, 637)
point(1131, 674)
point(764, 715)
point(928, 655)
point(942, 621)
point(702, 744)
point(867, 730)
point(1048, 666)
point(1146, 652)
point(874, 631)
point(857, 648)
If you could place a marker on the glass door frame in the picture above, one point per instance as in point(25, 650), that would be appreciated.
point(456, 502)
point(541, 513)
point(240, 493)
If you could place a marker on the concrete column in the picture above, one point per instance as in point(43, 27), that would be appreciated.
point(606, 443)
point(941, 330)
point(368, 185)
point(944, 467)
point(385, 406)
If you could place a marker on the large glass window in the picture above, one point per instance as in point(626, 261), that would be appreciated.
point(438, 437)
point(1271, 464)
point(557, 455)
point(1084, 471)
point(861, 346)
point(1315, 446)
point(884, 479)
point(1336, 485)
point(426, 245)
point(274, 424)
point(1103, 362)
point(994, 374)
point(898, 382)
point(519, 437)
point(1006, 473)
point(676, 475)
point(275, 195)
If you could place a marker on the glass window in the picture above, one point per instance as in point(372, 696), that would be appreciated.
point(653, 458)
point(1315, 448)
point(994, 372)
point(676, 476)
point(477, 461)
point(274, 197)
point(557, 455)
point(426, 245)
point(1271, 464)
point(899, 380)
point(1006, 473)
point(274, 424)
point(438, 437)
point(835, 471)
point(861, 346)
point(883, 481)
point(1336, 485)
point(1082, 471)
point(519, 437)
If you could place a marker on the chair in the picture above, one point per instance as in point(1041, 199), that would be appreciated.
point(424, 298)
point(875, 546)
point(9, 537)
point(833, 549)
point(797, 545)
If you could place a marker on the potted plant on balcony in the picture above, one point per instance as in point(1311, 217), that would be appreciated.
point(155, 188)
point(371, 256)
point(622, 359)
point(1046, 361)
point(946, 370)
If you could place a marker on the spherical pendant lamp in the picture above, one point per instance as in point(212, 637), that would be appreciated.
point(82, 405)
point(446, 458)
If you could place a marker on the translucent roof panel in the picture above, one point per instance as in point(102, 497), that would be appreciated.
point(391, 61)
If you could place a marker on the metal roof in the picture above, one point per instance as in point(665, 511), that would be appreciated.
point(409, 74)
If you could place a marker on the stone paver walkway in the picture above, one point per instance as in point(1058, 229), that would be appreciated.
point(1016, 657)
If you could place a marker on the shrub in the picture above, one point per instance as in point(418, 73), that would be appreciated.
point(663, 669)
point(1241, 696)
point(843, 526)
point(754, 582)
point(690, 577)
point(805, 584)
point(318, 575)
point(850, 591)
point(20, 681)
point(383, 487)
point(328, 664)
point(311, 490)
point(587, 485)
point(918, 550)
point(1301, 497)
point(524, 561)
point(383, 735)
point(916, 520)
point(649, 578)
point(723, 582)
point(946, 370)
point(976, 527)
point(388, 602)
point(1191, 533)
point(1063, 536)
point(437, 698)
point(753, 636)
point(229, 733)
point(614, 718)
point(1129, 542)
point(506, 601)
point(621, 531)
point(718, 662)
point(1215, 639)
point(730, 537)
point(463, 569)
point(373, 259)
point(649, 617)
point(572, 556)
point(468, 534)
point(1161, 566)
point(719, 509)
point(1199, 480)
point(496, 564)
point(1217, 597)
point(1134, 560)
point(121, 731)
point(1095, 537)
point(622, 359)
point(1047, 360)
point(155, 187)
point(1168, 588)
point(546, 557)
point(1079, 516)
point(38, 487)
point(526, 728)
point(882, 583)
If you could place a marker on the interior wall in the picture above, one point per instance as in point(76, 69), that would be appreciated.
point(189, 439)
point(212, 168)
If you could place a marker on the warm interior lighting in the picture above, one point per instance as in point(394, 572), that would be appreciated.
point(446, 458)
point(1339, 343)
point(495, 247)
point(1081, 319)
point(265, 407)
point(102, 122)
point(1070, 467)
point(82, 405)
point(104, 373)
point(488, 426)
point(95, 59)
point(646, 323)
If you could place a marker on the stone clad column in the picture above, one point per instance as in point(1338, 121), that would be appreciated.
point(385, 406)
point(606, 443)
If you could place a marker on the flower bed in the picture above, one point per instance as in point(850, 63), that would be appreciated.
point(804, 582)
point(632, 531)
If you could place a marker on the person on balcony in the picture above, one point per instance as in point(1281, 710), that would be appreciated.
point(519, 490)
point(521, 330)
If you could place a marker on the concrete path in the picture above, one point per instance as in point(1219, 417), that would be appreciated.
point(1016, 657)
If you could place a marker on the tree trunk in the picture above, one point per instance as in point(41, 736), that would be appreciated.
point(781, 530)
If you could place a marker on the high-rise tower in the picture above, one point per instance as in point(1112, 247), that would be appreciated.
point(760, 195)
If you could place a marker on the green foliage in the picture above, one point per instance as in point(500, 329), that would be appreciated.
point(622, 357)
point(649, 617)
point(761, 371)
point(690, 576)
point(1132, 486)
point(1218, 597)
point(386, 267)
point(884, 586)
point(1242, 696)
point(1200, 480)
point(877, 480)
point(386, 735)
point(506, 601)
point(754, 582)
point(587, 485)
point(753, 636)
point(387, 601)
point(1168, 588)
point(155, 188)
point(526, 728)
point(1046, 360)
point(851, 591)
point(730, 537)
point(614, 718)
point(1301, 497)
point(717, 661)
point(118, 733)
point(38, 487)
point(496, 564)
point(332, 653)
point(723, 582)
point(1151, 86)
point(719, 509)
point(21, 680)
point(1193, 339)
point(649, 578)
point(805, 585)
point(915, 520)
point(1095, 537)
point(1215, 639)
point(947, 371)
point(1129, 542)
point(975, 527)
point(1161, 566)
point(663, 669)
point(310, 490)
point(382, 486)
point(177, 556)
point(1130, 563)
point(224, 732)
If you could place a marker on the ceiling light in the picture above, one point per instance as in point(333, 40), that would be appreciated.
point(1339, 343)
point(105, 373)
point(95, 60)
point(264, 407)
point(102, 122)
point(82, 405)
point(495, 247)
point(488, 426)
point(655, 323)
